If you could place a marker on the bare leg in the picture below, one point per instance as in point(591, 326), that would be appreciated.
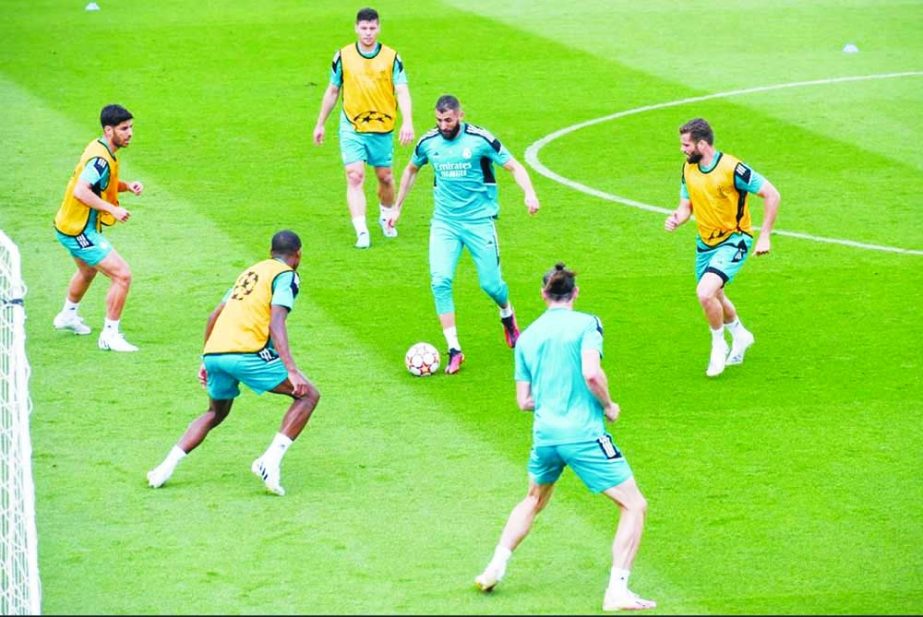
point(299, 412)
point(514, 532)
point(200, 427)
point(80, 282)
point(707, 291)
point(633, 508)
point(196, 433)
point(268, 466)
point(729, 312)
point(355, 189)
point(523, 515)
point(385, 186)
point(625, 545)
point(116, 268)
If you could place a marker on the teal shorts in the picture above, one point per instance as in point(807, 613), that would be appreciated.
point(90, 247)
point(725, 260)
point(376, 149)
point(598, 463)
point(226, 371)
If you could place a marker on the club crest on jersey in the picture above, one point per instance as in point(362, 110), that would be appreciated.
point(466, 153)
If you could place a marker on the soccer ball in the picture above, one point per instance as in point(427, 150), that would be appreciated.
point(422, 359)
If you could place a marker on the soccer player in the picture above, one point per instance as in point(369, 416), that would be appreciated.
point(246, 341)
point(715, 186)
point(374, 85)
point(559, 378)
point(91, 200)
point(465, 196)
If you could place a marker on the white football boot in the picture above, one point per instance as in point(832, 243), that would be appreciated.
point(70, 320)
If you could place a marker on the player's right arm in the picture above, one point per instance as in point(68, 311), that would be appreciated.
point(209, 326)
point(679, 216)
point(684, 210)
point(83, 190)
point(524, 396)
point(598, 383)
point(329, 101)
point(327, 104)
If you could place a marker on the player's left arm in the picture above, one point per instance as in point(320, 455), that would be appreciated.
point(402, 94)
point(771, 198)
point(521, 176)
point(135, 187)
point(524, 396)
point(278, 333)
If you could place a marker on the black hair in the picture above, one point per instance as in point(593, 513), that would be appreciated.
point(285, 242)
point(114, 115)
point(447, 102)
point(367, 14)
point(698, 129)
point(559, 283)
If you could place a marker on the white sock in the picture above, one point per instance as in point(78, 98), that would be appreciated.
point(717, 336)
point(507, 311)
point(735, 327)
point(359, 225)
point(383, 210)
point(112, 324)
point(501, 557)
point(70, 306)
point(618, 579)
point(276, 450)
point(451, 338)
point(174, 456)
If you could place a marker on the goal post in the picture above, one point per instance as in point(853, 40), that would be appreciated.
point(20, 589)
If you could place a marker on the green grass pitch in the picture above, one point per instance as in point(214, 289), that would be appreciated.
point(789, 485)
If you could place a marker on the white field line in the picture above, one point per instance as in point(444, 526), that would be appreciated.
point(533, 150)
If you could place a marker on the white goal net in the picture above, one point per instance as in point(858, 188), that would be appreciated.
point(19, 583)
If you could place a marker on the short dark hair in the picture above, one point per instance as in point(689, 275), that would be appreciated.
point(285, 242)
point(698, 129)
point(114, 115)
point(367, 14)
point(447, 102)
point(559, 283)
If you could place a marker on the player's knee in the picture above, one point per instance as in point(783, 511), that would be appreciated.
point(355, 176)
point(705, 295)
point(638, 504)
point(495, 288)
point(441, 284)
point(386, 178)
point(122, 276)
point(311, 397)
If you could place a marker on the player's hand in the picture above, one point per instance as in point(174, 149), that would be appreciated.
point(203, 375)
point(391, 217)
point(121, 214)
point(299, 383)
point(532, 204)
point(762, 245)
point(319, 132)
point(405, 136)
point(135, 187)
point(612, 411)
point(672, 222)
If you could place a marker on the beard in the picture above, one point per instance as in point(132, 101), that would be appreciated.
point(695, 157)
point(450, 134)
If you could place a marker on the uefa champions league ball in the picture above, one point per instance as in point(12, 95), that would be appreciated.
point(422, 359)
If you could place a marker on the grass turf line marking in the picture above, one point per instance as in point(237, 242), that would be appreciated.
point(533, 150)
